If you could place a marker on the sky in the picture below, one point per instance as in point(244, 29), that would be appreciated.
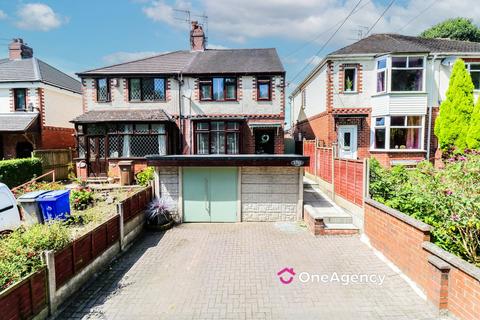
point(75, 35)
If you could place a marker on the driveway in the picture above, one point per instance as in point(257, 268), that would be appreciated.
point(229, 271)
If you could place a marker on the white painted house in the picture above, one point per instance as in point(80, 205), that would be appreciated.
point(380, 96)
point(36, 103)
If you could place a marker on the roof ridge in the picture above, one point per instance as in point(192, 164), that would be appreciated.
point(131, 61)
point(36, 69)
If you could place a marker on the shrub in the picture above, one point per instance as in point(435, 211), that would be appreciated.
point(145, 176)
point(81, 198)
point(447, 199)
point(17, 171)
point(20, 252)
point(451, 126)
point(473, 137)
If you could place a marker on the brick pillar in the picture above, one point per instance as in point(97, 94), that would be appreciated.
point(437, 283)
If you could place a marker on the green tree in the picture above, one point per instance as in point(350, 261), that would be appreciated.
point(473, 138)
point(456, 28)
point(452, 125)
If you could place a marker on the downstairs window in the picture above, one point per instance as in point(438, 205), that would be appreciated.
point(398, 133)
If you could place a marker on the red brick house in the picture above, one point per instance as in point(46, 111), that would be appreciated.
point(379, 96)
point(36, 103)
point(198, 101)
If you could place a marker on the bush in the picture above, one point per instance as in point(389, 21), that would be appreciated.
point(448, 200)
point(20, 252)
point(17, 171)
point(145, 176)
point(81, 198)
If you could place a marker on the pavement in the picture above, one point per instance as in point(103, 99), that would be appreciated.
point(229, 271)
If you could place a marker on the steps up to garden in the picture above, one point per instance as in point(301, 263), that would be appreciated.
point(322, 216)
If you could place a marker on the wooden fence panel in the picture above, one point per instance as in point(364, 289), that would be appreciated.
point(82, 251)
point(349, 180)
point(99, 240)
point(57, 160)
point(64, 270)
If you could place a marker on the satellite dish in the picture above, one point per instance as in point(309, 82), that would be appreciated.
point(449, 61)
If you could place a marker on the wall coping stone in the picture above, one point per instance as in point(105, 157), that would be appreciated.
point(400, 215)
point(452, 259)
point(438, 263)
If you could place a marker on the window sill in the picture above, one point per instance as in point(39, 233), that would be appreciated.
point(219, 101)
point(349, 92)
point(393, 93)
point(147, 101)
point(398, 150)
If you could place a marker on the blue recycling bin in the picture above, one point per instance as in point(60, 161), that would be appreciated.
point(55, 205)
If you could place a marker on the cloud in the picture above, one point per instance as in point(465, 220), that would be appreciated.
point(305, 20)
point(160, 11)
point(122, 56)
point(38, 16)
point(216, 46)
point(3, 15)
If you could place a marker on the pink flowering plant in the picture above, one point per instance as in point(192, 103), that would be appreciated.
point(448, 199)
point(81, 198)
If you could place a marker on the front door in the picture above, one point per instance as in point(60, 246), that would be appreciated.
point(264, 141)
point(210, 194)
point(347, 142)
point(97, 162)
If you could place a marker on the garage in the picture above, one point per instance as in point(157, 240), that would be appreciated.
point(210, 194)
point(231, 188)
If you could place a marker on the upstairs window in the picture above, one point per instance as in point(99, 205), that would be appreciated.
point(147, 89)
point(20, 99)
point(382, 75)
point(264, 89)
point(407, 73)
point(350, 79)
point(474, 70)
point(218, 89)
point(103, 90)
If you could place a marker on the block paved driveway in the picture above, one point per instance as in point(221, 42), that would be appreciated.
point(228, 271)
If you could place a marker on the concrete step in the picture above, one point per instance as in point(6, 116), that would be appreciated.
point(340, 229)
point(327, 213)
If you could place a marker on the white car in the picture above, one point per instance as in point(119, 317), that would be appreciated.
point(10, 218)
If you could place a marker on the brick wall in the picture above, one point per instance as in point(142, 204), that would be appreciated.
point(449, 282)
point(57, 138)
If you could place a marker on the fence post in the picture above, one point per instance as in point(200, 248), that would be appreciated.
point(48, 258)
point(366, 179)
point(121, 225)
point(333, 171)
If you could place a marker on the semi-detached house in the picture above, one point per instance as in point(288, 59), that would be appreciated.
point(379, 96)
point(197, 101)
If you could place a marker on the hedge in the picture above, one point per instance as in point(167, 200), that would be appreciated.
point(17, 171)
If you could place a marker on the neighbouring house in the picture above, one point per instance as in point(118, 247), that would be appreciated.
point(380, 96)
point(193, 102)
point(36, 103)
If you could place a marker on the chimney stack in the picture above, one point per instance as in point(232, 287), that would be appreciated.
point(17, 50)
point(197, 37)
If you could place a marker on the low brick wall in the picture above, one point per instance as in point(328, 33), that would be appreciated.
point(449, 282)
point(26, 299)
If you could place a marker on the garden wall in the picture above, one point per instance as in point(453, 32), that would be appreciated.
point(449, 282)
point(71, 267)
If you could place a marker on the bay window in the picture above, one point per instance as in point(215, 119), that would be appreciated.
point(218, 89)
point(147, 89)
point(407, 73)
point(398, 133)
point(217, 137)
point(474, 70)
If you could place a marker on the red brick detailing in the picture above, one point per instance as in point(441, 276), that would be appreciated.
point(272, 87)
point(84, 96)
point(111, 85)
point(57, 138)
point(403, 241)
point(239, 89)
point(196, 90)
point(471, 59)
point(169, 91)
point(254, 88)
point(341, 76)
point(11, 101)
point(282, 94)
point(41, 106)
point(94, 90)
point(359, 78)
point(249, 116)
point(330, 86)
point(125, 90)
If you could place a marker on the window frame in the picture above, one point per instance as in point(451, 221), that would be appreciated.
point(468, 65)
point(109, 95)
point(142, 98)
point(380, 70)
point(407, 67)
point(355, 85)
point(210, 131)
point(387, 126)
point(263, 80)
point(209, 81)
point(15, 105)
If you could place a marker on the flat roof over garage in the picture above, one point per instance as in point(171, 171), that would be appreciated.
point(243, 160)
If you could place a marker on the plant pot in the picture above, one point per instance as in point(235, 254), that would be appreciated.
point(160, 227)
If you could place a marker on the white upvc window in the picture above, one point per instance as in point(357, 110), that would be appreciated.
point(474, 69)
point(397, 132)
point(400, 74)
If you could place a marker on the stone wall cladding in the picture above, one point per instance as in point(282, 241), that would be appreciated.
point(269, 194)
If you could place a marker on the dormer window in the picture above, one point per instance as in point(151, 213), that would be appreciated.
point(407, 73)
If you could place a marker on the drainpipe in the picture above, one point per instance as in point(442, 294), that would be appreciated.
point(430, 107)
point(179, 79)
